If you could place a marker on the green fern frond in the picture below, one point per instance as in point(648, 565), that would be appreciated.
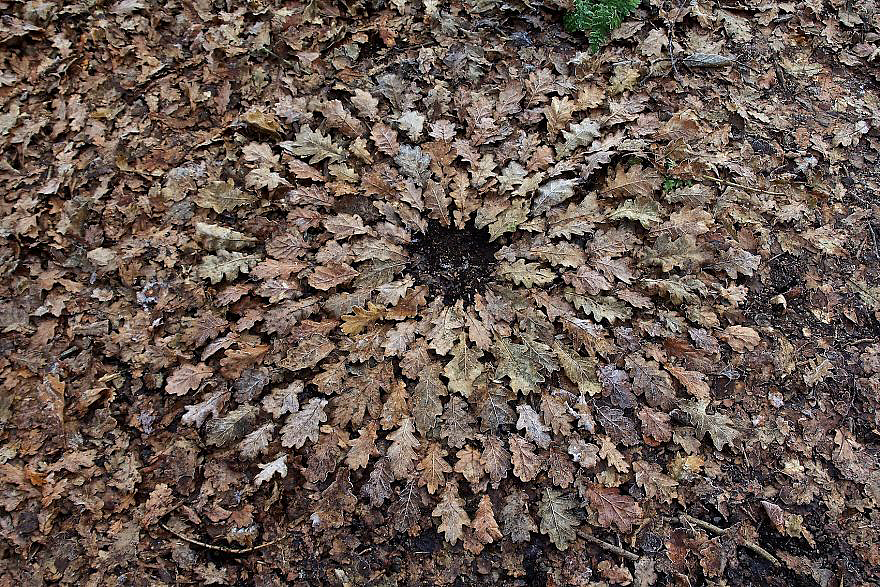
point(598, 18)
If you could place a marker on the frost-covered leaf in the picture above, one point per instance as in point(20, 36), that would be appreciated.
point(552, 193)
point(644, 210)
point(606, 308)
point(196, 414)
point(401, 454)
point(226, 265)
point(262, 177)
point(464, 368)
point(302, 426)
point(525, 274)
point(270, 469)
point(530, 423)
point(515, 518)
point(257, 441)
point(513, 362)
point(214, 237)
point(311, 143)
point(717, 425)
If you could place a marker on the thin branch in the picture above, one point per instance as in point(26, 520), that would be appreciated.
point(754, 547)
point(609, 547)
point(222, 549)
point(739, 185)
point(284, 61)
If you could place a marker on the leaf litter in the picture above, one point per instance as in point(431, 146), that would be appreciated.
point(399, 293)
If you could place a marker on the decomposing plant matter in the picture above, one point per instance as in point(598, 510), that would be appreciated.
point(352, 293)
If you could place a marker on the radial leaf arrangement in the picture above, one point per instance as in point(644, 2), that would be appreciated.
point(462, 295)
point(431, 294)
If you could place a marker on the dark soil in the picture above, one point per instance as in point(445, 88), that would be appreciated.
point(455, 263)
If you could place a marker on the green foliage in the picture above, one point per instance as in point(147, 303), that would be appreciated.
point(670, 184)
point(598, 18)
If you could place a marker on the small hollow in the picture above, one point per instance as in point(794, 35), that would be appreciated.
point(453, 262)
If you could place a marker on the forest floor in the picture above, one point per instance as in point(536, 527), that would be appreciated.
point(426, 293)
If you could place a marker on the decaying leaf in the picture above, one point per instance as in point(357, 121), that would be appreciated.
point(557, 518)
point(302, 425)
point(233, 426)
point(226, 265)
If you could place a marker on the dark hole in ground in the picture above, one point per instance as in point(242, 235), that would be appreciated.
point(453, 262)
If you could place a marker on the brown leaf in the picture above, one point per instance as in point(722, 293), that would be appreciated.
point(613, 508)
point(433, 468)
point(451, 512)
point(187, 378)
point(526, 464)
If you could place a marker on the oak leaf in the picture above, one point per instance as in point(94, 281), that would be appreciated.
point(575, 220)
point(303, 425)
point(385, 139)
point(257, 441)
point(495, 459)
point(464, 368)
point(362, 448)
point(530, 422)
point(343, 226)
point(330, 275)
point(223, 196)
point(401, 454)
point(214, 237)
point(644, 210)
point(485, 527)
point(580, 370)
point(233, 426)
point(187, 378)
point(268, 470)
point(433, 468)
point(614, 509)
point(551, 194)
point(311, 143)
point(196, 414)
point(451, 512)
point(514, 363)
point(741, 338)
point(525, 274)
point(557, 518)
point(682, 252)
point(718, 426)
point(655, 424)
point(635, 181)
point(469, 464)
point(517, 522)
point(526, 464)
point(457, 425)
point(226, 265)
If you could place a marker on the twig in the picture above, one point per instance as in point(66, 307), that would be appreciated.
point(756, 548)
point(874, 238)
point(278, 57)
point(739, 185)
point(223, 549)
point(609, 547)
